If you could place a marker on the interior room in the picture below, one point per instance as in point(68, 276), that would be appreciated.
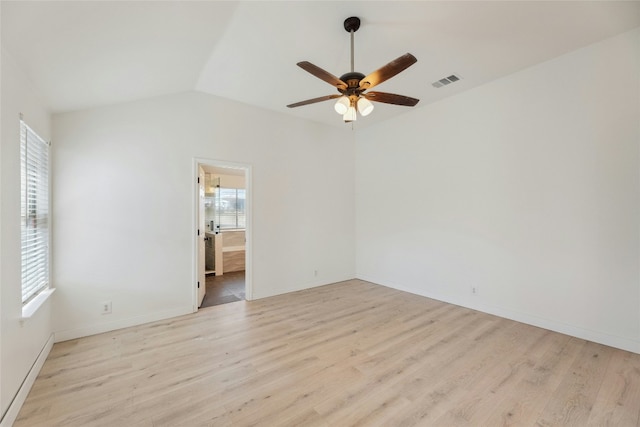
point(450, 235)
point(225, 235)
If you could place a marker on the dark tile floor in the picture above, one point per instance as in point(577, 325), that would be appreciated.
point(223, 289)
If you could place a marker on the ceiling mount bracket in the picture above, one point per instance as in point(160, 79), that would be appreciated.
point(352, 24)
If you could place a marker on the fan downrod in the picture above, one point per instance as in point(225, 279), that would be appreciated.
point(352, 24)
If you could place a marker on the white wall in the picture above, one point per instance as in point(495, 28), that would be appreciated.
point(20, 343)
point(527, 187)
point(123, 205)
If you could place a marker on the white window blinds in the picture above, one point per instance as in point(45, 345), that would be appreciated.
point(34, 210)
point(230, 208)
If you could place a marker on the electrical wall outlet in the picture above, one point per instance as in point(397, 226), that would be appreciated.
point(474, 289)
point(106, 307)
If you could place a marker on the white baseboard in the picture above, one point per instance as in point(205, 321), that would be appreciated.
point(70, 334)
point(541, 322)
point(301, 287)
point(15, 406)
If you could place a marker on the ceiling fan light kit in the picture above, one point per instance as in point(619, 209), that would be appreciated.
point(342, 105)
point(350, 115)
point(353, 85)
point(364, 106)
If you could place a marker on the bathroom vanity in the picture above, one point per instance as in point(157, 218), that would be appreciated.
point(225, 251)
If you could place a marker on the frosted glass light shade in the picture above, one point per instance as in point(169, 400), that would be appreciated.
point(364, 106)
point(342, 105)
point(350, 115)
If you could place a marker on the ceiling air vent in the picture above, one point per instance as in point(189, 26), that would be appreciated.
point(445, 81)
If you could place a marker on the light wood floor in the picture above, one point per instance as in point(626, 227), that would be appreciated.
point(347, 354)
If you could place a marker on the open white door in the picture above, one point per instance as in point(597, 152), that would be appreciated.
point(202, 280)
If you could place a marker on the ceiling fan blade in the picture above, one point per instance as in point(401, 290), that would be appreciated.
point(313, 101)
point(322, 74)
point(385, 73)
point(391, 98)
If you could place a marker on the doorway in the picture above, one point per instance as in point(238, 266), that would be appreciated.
point(222, 264)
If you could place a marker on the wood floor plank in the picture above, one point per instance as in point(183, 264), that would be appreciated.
point(497, 382)
point(574, 398)
point(618, 400)
point(527, 399)
point(455, 374)
point(348, 354)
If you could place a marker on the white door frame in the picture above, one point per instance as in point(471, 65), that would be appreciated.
point(248, 234)
point(202, 272)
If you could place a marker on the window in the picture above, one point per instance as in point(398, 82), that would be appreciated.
point(229, 206)
point(34, 212)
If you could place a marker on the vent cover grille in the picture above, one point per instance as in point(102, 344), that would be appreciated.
point(446, 80)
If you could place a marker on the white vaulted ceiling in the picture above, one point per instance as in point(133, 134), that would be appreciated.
point(87, 54)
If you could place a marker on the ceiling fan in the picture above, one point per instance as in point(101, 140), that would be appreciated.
point(353, 85)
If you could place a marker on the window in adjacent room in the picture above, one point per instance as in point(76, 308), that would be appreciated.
point(34, 212)
point(229, 205)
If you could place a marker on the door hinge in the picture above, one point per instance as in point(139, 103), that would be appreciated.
point(198, 180)
point(198, 285)
point(198, 231)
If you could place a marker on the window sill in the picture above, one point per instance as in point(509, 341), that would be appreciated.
point(30, 308)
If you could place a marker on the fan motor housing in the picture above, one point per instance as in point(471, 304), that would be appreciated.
point(352, 80)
